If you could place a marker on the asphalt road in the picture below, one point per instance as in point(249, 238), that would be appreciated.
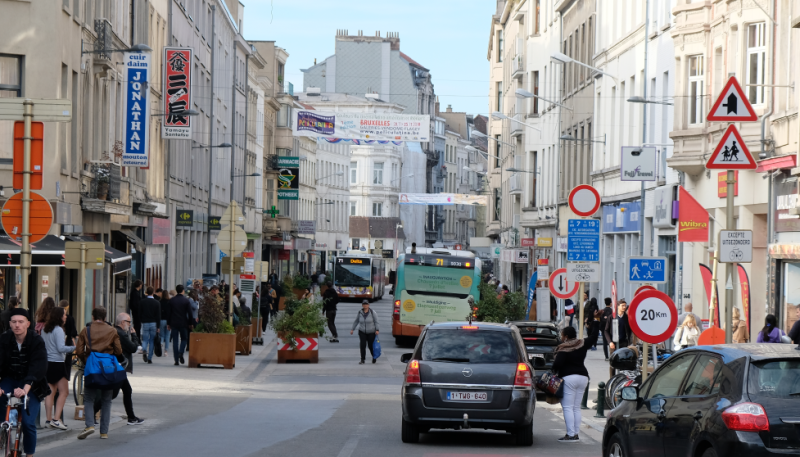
point(262, 408)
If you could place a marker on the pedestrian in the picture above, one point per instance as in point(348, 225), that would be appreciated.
point(770, 333)
point(70, 333)
point(150, 315)
point(23, 372)
point(129, 344)
point(608, 312)
point(265, 307)
point(273, 279)
point(329, 301)
point(687, 334)
point(687, 309)
point(569, 366)
point(367, 324)
point(133, 305)
point(569, 310)
point(43, 313)
point(180, 322)
point(98, 336)
point(589, 310)
point(307, 295)
point(165, 313)
point(321, 278)
point(195, 302)
point(5, 316)
point(739, 326)
point(624, 328)
point(553, 309)
point(54, 339)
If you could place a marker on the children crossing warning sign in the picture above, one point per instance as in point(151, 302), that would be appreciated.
point(732, 105)
point(731, 153)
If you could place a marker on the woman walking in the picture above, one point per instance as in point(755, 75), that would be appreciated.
point(42, 315)
point(770, 333)
point(569, 366)
point(54, 337)
point(687, 333)
point(367, 324)
point(166, 311)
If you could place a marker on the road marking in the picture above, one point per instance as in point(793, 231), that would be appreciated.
point(352, 442)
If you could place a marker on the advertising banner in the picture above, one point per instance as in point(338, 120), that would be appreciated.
point(361, 126)
point(692, 218)
point(722, 184)
point(422, 309)
point(288, 178)
point(177, 93)
point(744, 281)
point(306, 227)
point(136, 112)
point(442, 199)
point(531, 292)
point(707, 275)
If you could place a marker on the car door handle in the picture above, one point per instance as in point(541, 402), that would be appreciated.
point(698, 415)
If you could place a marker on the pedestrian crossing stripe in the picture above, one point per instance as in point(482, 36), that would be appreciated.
point(732, 105)
point(731, 153)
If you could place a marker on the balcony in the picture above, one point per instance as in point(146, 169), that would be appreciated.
point(515, 184)
point(517, 128)
point(517, 68)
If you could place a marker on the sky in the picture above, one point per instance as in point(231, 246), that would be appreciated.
point(449, 37)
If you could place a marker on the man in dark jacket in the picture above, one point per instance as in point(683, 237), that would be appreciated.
point(623, 327)
point(589, 309)
point(180, 320)
point(330, 299)
point(129, 346)
point(608, 312)
point(133, 305)
point(150, 315)
point(23, 367)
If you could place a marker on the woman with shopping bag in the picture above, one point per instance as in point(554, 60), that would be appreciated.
point(569, 366)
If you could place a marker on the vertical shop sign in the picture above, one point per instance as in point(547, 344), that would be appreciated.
point(136, 111)
point(177, 93)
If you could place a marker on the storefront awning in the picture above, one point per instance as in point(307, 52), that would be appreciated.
point(134, 240)
point(47, 252)
point(117, 258)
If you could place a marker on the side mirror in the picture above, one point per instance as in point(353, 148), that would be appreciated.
point(406, 357)
point(630, 393)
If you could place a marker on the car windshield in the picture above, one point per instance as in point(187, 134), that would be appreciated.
point(775, 379)
point(460, 345)
point(544, 331)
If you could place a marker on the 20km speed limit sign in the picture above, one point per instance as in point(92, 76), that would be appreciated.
point(652, 316)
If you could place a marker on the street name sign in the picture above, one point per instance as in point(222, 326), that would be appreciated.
point(44, 110)
point(95, 255)
point(560, 286)
point(583, 243)
point(731, 153)
point(584, 200)
point(583, 271)
point(735, 246)
point(732, 105)
point(647, 269)
point(652, 316)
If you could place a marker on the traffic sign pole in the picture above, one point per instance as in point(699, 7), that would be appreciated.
point(82, 289)
point(25, 253)
point(580, 324)
point(729, 266)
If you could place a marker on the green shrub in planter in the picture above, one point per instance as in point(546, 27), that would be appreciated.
point(510, 307)
point(211, 318)
point(301, 282)
point(299, 318)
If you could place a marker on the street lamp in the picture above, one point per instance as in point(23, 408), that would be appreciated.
point(500, 116)
point(638, 99)
point(524, 93)
point(221, 145)
point(340, 173)
point(517, 170)
point(406, 176)
point(567, 137)
point(563, 58)
point(135, 48)
point(244, 176)
point(326, 203)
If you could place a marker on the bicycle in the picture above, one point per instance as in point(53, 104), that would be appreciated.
point(77, 381)
point(10, 440)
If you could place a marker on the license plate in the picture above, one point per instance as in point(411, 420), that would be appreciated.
point(468, 396)
point(530, 356)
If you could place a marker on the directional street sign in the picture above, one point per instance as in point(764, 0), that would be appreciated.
point(584, 200)
point(652, 316)
point(232, 215)
point(560, 287)
point(735, 246)
point(583, 242)
point(583, 271)
point(731, 153)
point(647, 269)
point(732, 105)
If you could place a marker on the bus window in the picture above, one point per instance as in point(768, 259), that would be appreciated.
point(352, 274)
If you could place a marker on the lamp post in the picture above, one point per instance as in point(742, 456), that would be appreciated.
point(500, 116)
point(524, 93)
point(483, 135)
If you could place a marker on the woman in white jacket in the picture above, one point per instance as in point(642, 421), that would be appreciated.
point(687, 333)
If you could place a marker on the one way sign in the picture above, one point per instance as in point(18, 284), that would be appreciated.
point(732, 105)
point(560, 287)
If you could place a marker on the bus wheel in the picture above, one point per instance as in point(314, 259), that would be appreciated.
point(398, 341)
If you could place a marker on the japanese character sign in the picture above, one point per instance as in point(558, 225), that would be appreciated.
point(177, 93)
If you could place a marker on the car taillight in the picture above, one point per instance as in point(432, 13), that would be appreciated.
point(530, 339)
point(746, 417)
point(469, 327)
point(412, 374)
point(523, 377)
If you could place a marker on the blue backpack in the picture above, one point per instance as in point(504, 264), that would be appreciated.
point(102, 371)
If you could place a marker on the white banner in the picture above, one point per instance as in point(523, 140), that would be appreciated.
point(361, 126)
point(136, 109)
point(442, 199)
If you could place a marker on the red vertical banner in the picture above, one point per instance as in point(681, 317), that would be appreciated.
point(692, 218)
point(177, 93)
point(745, 285)
point(614, 298)
point(705, 272)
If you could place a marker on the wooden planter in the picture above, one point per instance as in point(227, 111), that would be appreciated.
point(212, 349)
point(258, 337)
point(311, 355)
point(298, 293)
point(281, 303)
point(244, 339)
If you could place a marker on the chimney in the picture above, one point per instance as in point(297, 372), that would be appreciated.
point(436, 106)
point(449, 109)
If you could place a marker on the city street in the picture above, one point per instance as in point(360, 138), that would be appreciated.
point(334, 408)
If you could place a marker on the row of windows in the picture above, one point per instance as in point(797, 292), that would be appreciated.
point(377, 173)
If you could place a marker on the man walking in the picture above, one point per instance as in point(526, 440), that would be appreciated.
point(179, 323)
point(608, 312)
point(330, 299)
point(624, 328)
point(133, 305)
point(127, 341)
point(150, 315)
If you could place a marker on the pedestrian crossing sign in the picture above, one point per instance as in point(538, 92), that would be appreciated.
point(731, 153)
point(732, 105)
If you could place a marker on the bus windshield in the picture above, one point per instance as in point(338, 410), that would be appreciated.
point(432, 280)
point(352, 274)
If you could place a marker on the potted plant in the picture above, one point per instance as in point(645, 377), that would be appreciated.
point(214, 338)
point(299, 328)
point(103, 176)
point(299, 285)
point(244, 334)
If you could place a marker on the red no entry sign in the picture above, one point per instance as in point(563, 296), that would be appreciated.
point(652, 316)
point(584, 200)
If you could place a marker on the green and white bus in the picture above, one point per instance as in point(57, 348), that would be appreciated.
point(433, 284)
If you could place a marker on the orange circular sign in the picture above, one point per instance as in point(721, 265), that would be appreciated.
point(41, 217)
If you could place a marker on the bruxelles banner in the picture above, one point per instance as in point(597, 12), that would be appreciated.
point(692, 218)
point(442, 199)
point(177, 93)
point(361, 126)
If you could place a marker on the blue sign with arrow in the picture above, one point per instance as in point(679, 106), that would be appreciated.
point(647, 269)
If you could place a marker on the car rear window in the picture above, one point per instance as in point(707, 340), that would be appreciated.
point(775, 379)
point(544, 331)
point(473, 346)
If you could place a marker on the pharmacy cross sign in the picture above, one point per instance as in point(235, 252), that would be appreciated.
point(272, 212)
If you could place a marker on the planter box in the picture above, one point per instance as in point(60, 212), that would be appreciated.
point(212, 349)
point(244, 339)
point(281, 303)
point(255, 331)
point(298, 293)
point(310, 341)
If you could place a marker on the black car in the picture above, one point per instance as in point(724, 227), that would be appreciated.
point(541, 339)
point(708, 401)
point(468, 375)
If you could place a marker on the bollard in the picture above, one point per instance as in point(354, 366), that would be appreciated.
point(601, 400)
point(585, 397)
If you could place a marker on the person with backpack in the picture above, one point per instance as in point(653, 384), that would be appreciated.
point(367, 324)
point(98, 337)
point(330, 299)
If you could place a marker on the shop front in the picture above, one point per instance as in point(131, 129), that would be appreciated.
point(784, 257)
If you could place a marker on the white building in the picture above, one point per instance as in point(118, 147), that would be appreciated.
point(333, 200)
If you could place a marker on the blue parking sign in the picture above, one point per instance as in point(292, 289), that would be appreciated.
point(647, 269)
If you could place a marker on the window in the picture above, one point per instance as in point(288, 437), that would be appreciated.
point(696, 90)
point(377, 208)
point(352, 208)
point(377, 173)
point(496, 204)
point(353, 172)
point(756, 62)
point(536, 19)
point(499, 96)
point(497, 151)
point(668, 380)
point(535, 101)
point(499, 45)
point(701, 379)
point(356, 243)
point(284, 115)
point(10, 87)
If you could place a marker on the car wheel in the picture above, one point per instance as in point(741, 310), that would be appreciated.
point(525, 435)
point(616, 448)
point(710, 452)
point(410, 433)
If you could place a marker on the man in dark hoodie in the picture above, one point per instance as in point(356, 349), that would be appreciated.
point(150, 315)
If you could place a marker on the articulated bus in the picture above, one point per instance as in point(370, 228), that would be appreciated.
point(433, 284)
point(359, 276)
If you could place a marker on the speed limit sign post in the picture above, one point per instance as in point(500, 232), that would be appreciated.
point(653, 318)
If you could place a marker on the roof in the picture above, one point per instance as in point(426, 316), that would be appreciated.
point(481, 325)
point(756, 352)
point(306, 106)
point(375, 227)
point(411, 61)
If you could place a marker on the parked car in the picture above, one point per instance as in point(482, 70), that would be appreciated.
point(711, 401)
point(468, 375)
point(541, 339)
